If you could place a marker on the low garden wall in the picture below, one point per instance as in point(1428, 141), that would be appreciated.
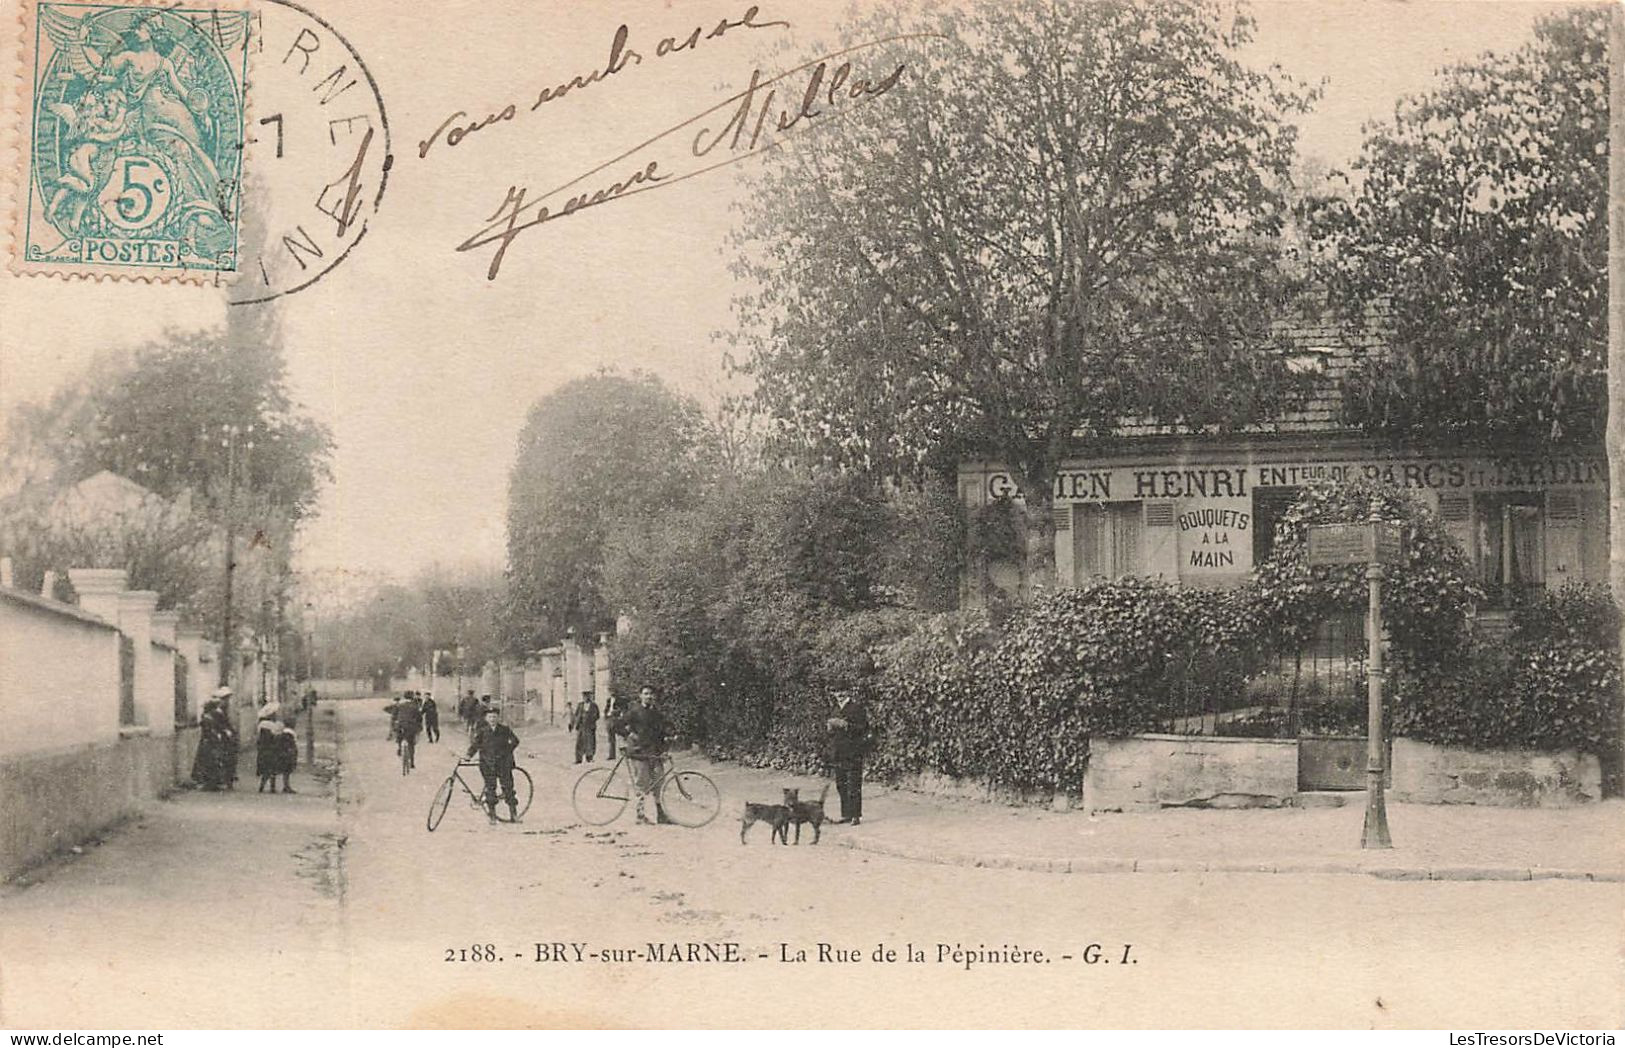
point(55, 799)
point(1425, 773)
point(1145, 772)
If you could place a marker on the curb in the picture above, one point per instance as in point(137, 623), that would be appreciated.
point(1094, 865)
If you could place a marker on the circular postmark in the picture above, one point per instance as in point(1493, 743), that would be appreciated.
point(137, 142)
point(318, 153)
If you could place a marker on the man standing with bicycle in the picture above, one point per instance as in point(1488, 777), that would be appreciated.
point(495, 744)
point(645, 727)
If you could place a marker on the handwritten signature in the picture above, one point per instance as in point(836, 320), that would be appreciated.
point(757, 121)
point(458, 126)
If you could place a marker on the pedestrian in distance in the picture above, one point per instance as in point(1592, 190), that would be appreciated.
point(494, 743)
point(431, 718)
point(613, 708)
point(584, 722)
point(394, 709)
point(287, 753)
point(408, 725)
point(848, 742)
point(209, 771)
point(268, 746)
point(230, 743)
point(646, 729)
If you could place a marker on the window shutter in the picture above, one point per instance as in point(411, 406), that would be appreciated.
point(1159, 514)
point(1562, 507)
point(1454, 509)
point(1063, 518)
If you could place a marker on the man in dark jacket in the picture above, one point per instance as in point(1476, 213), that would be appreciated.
point(431, 718)
point(584, 722)
point(495, 743)
point(848, 745)
point(645, 726)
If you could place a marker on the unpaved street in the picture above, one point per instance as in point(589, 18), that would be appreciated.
point(337, 908)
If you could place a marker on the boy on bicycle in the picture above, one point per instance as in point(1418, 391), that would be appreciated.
point(495, 744)
point(645, 728)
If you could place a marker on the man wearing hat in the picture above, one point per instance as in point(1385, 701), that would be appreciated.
point(848, 731)
point(495, 742)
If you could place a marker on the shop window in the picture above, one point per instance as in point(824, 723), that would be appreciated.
point(1106, 540)
point(1510, 545)
point(1269, 506)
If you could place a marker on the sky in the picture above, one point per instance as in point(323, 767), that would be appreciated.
point(424, 369)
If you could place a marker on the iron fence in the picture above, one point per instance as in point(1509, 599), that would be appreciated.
point(1318, 689)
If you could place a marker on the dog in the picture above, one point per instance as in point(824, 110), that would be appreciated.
point(776, 816)
point(807, 811)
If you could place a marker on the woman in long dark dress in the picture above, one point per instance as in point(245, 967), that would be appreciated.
point(206, 766)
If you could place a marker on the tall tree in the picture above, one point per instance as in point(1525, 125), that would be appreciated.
point(206, 422)
point(1064, 216)
point(195, 401)
point(1480, 218)
point(598, 453)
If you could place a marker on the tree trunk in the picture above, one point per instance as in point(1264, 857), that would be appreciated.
point(1616, 340)
point(1038, 502)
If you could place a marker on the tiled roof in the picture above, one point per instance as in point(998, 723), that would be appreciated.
point(1322, 341)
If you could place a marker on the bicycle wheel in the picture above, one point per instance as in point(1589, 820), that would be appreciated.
point(442, 800)
point(522, 793)
point(406, 759)
point(599, 798)
point(690, 799)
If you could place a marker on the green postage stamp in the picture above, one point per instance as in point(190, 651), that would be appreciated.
point(134, 140)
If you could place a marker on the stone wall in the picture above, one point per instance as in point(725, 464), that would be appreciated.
point(1428, 774)
point(1147, 772)
point(53, 799)
point(61, 674)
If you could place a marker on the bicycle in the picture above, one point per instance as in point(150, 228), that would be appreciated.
point(688, 797)
point(523, 790)
point(409, 746)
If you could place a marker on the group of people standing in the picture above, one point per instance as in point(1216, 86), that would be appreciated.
point(215, 765)
point(646, 728)
point(276, 746)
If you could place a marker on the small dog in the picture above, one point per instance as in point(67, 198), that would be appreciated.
point(775, 815)
point(807, 811)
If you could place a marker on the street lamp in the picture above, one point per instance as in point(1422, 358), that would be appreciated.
point(229, 439)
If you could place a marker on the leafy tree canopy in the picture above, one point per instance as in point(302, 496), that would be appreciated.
point(1480, 219)
point(1064, 215)
point(600, 452)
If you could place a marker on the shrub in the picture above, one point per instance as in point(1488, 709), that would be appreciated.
point(1425, 601)
point(1553, 683)
point(937, 699)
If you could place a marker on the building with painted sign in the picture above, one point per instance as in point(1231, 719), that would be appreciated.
point(1202, 509)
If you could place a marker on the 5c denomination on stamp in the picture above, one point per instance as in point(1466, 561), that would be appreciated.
point(134, 140)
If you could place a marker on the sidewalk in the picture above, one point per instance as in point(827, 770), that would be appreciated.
point(1431, 842)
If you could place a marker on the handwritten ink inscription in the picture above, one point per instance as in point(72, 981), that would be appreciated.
point(456, 127)
point(760, 117)
point(757, 121)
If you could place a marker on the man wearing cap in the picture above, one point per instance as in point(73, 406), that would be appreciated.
point(646, 729)
point(494, 743)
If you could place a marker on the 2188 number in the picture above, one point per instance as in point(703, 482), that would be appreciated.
point(478, 952)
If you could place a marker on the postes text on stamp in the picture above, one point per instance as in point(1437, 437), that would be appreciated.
point(134, 140)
